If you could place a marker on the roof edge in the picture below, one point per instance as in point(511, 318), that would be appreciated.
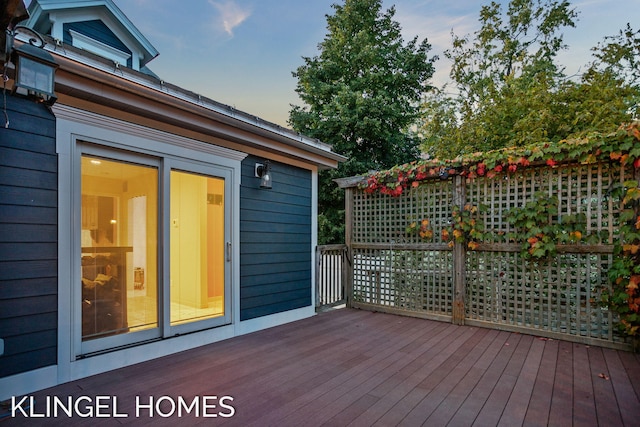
point(104, 72)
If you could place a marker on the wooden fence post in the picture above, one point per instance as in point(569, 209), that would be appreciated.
point(459, 258)
point(348, 265)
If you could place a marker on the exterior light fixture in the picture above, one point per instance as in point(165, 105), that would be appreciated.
point(35, 70)
point(263, 171)
point(34, 67)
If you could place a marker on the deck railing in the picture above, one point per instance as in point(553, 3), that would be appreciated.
point(331, 261)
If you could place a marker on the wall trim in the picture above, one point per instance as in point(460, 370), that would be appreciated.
point(93, 120)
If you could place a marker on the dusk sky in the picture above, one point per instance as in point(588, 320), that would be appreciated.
point(242, 52)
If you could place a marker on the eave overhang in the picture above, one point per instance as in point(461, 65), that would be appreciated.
point(84, 81)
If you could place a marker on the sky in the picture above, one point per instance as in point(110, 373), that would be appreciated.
point(243, 52)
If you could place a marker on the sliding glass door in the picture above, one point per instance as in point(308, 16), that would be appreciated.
point(198, 251)
point(154, 248)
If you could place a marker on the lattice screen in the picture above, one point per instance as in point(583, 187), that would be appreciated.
point(579, 188)
point(398, 270)
point(383, 219)
point(561, 296)
point(390, 266)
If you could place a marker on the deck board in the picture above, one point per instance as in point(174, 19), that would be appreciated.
point(359, 368)
point(606, 403)
point(562, 411)
point(583, 397)
point(540, 402)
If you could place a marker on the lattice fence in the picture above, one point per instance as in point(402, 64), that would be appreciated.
point(396, 270)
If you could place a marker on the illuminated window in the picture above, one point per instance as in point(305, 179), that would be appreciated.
point(197, 226)
point(119, 223)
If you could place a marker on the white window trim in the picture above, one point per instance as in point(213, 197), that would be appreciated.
point(91, 45)
point(74, 125)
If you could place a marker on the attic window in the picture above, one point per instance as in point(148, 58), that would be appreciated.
point(91, 45)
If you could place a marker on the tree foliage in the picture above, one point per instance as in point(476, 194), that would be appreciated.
point(361, 95)
point(509, 89)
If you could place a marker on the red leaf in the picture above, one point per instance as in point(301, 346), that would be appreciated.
point(523, 161)
point(551, 162)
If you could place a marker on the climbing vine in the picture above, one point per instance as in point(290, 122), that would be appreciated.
point(466, 226)
point(422, 228)
point(541, 230)
point(538, 227)
point(624, 274)
point(621, 147)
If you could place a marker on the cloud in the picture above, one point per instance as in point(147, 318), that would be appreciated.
point(230, 14)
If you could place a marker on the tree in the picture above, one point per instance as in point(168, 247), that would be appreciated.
point(618, 58)
point(361, 95)
point(510, 90)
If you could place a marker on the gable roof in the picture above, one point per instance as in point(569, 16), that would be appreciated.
point(50, 17)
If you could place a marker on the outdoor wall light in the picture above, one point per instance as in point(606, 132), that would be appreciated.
point(263, 171)
point(35, 68)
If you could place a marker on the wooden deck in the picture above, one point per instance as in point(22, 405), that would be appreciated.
point(351, 367)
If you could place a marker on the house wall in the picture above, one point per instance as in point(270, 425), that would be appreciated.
point(275, 240)
point(28, 238)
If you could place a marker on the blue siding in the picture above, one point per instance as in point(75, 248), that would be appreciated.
point(28, 238)
point(275, 241)
point(96, 30)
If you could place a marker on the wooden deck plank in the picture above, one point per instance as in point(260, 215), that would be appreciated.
point(561, 411)
point(358, 347)
point(583, 399)
point(627, 399)
point(605, 400)
point(340, 399)
point(358, 368)
point(349, 414)
point(540, 403)
point(494, 407)
point(406, 395)
point(452, 402)
point(396, 386)
point(474, 403)
point(630, 362)
point(516, 409)
point(440, 385)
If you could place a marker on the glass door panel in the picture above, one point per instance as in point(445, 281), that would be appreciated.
point(197, 253)
point(119, 252)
